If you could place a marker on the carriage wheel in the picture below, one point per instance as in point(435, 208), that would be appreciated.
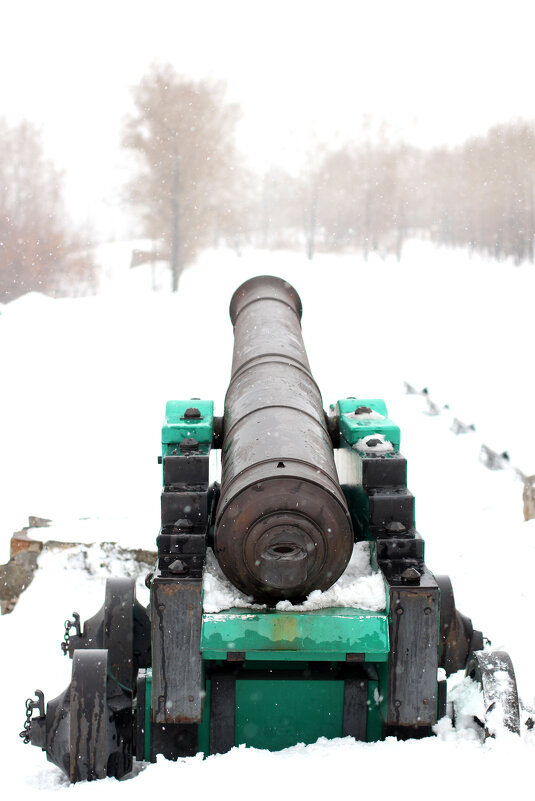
point(493, 671)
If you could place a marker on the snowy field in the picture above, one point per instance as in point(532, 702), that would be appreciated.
point(84, 387)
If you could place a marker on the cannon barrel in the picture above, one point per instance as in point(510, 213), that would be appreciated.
point(282, 524)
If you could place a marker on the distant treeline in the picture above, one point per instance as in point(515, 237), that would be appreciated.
point(371, 196)
point(190, 190)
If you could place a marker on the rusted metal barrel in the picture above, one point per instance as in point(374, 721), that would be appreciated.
point(282, 523)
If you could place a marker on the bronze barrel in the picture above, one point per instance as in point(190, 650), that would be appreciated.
point(282, 524)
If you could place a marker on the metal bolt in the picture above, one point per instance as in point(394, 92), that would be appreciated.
point(411, 574)
point(395, 527)
point(192, 414)
point(399, 610)
point(397, 703)
point(372, 443)
point(188, 445)
point(363, 410)
point(178, 567)
point(427, 610)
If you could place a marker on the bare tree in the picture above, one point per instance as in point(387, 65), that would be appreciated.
point(357, 196)
point(38, 250)
point(279, 215)
point(183, 134)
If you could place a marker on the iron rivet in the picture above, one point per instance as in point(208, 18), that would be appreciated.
point(188, 444)
point(395, 526)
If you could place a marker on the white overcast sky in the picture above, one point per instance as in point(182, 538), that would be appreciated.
point(302, 72)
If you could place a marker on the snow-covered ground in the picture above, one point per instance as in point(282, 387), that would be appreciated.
point(84, 387)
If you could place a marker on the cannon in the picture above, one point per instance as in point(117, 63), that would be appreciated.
point(300, 492)
point(276, 449)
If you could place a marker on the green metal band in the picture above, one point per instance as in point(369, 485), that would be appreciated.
point(318, 635)
point(352, 428)
point(177, 427)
